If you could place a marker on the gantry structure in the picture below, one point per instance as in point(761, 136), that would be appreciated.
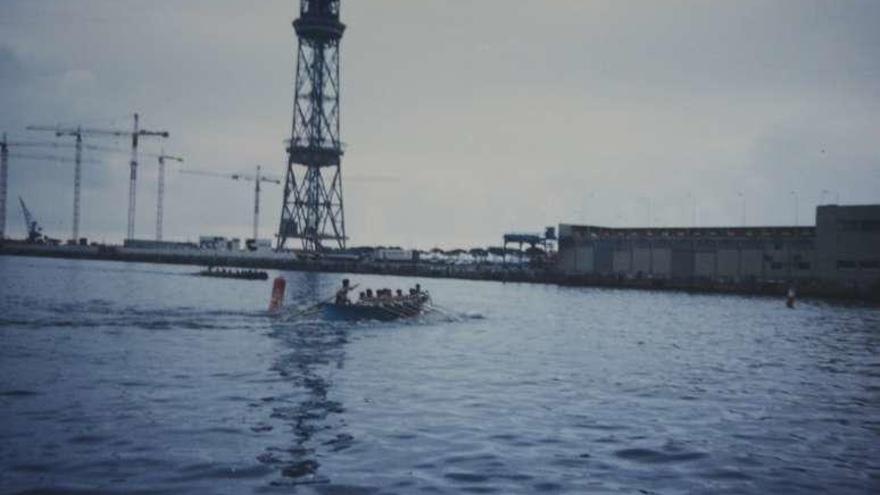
point(312, 209)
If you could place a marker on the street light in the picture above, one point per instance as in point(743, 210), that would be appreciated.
point(796, 221)
point(648, 205)
point(694, 209)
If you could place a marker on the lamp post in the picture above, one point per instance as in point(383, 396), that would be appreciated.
point(693, 209)
point(648, 207)
point(795, 196)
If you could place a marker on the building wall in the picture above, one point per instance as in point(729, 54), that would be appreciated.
point(661, 261)
point(622, 259)
point(704, 263)
point(752, 262)
point(604, 258)
point(848, 243)
point(728, 261)
point(583, 259)
point(789, 255)
point(641, 257)
point(565, 260)
point(682, 261)
point(575, 254)
point(843, 248)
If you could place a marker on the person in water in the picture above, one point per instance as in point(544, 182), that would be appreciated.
point(342, 293)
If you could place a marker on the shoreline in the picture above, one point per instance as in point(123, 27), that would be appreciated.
point(496, 273)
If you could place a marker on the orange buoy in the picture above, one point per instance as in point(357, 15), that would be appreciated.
point(277, 300)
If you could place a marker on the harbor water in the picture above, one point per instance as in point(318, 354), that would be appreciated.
point(142, 378)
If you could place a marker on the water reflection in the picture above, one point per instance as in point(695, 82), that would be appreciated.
point(316, 351)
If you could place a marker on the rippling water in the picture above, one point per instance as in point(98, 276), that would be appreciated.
point(121, 378)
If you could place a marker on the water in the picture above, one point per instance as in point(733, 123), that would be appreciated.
point(138, 378)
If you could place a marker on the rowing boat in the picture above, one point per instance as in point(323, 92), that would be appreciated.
point(379, 309)
point(236, 274)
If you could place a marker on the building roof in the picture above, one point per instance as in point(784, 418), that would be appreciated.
point(688, 232)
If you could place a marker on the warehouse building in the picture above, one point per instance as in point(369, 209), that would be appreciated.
point(843, 249)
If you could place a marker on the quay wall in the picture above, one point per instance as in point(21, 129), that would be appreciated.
point(492, 272)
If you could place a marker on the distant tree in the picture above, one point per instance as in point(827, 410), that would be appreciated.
point(478, 252)
point(496, 251)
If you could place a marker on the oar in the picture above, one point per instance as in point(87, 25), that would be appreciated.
point(399, 309)
point(313, 308)
point(388, 308)
point(404, 308)
point(440, 309)
point(306, 312)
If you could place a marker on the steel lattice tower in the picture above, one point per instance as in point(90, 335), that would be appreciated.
point(312, 209)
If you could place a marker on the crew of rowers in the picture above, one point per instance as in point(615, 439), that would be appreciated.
point(212, 270)
point(380, 295)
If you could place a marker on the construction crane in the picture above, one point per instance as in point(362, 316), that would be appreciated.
point(34, 231)
point(257, 179)
point(5, 146)
point(78, 132)
point(161, 199)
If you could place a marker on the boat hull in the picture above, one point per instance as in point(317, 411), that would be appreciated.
point(380, 312)
point(236, 276)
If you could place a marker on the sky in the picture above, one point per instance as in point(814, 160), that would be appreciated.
point(462, 120)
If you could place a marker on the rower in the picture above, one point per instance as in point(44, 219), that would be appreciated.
point(342, 293)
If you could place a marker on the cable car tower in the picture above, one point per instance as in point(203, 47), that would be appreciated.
point(312, 208)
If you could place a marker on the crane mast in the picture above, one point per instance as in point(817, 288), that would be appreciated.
point(257, 202)
point(4, 177)
point(132, 180)
point(160, 201)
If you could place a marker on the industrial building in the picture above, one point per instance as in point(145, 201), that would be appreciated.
point(841, 251)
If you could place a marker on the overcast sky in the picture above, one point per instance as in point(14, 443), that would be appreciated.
point(462, 119)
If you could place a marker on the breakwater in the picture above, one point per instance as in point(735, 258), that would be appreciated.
point(477, 271)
